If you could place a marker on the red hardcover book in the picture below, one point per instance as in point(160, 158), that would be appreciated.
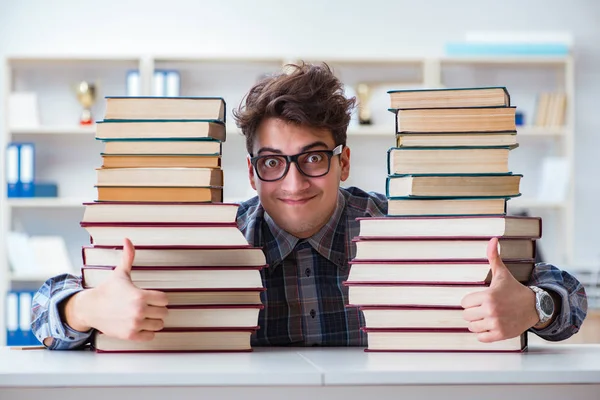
point(471, 226)
point(437, 340)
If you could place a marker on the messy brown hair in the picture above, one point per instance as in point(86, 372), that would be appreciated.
point(303, 94)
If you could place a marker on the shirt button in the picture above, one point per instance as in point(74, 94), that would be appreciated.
point(307, 271)
point(313, 313)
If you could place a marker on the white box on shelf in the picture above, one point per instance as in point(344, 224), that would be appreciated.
point(554, 184)
point(23, 110)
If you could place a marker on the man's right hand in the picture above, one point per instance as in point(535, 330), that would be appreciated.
point(117, 307)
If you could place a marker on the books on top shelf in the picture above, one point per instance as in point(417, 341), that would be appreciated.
point(448, 184)
point(161, 186)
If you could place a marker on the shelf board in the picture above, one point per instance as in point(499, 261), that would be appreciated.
point(32, 202)
point(541, 131)
point(519, 203)
point(55, 130)
point(29, 278)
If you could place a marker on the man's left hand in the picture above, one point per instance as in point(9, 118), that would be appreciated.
point(504, 310)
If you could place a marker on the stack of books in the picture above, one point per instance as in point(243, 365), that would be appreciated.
point(448, 183)
point(161, 186)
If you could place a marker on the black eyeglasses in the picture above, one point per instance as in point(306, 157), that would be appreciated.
point(313, 164)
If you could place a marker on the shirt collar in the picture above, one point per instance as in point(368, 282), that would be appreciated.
point(329, 241)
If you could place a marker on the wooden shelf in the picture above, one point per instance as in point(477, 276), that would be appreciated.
point(55, 130)
point(40, 202)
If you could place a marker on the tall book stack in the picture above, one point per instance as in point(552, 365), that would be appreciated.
point(161, 186)
point(448, 183)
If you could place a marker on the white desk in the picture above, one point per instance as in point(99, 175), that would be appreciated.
point(545, 372)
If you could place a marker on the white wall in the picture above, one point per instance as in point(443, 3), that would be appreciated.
point(321, 29)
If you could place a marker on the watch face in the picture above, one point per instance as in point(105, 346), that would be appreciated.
point(547, 305)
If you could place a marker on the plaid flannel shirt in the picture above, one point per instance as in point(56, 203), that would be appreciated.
point(305, 301)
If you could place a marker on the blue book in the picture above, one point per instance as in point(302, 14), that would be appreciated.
point(27, 168)
point(12, 170)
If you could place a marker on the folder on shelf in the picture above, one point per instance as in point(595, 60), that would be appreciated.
point(27, 168)
point(12, 170)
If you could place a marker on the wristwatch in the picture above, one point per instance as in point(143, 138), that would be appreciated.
point(544, 305)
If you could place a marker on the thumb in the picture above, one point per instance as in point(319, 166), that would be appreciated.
point(497, 267)
point(127, 258)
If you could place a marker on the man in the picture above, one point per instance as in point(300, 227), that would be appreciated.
point(295, 126)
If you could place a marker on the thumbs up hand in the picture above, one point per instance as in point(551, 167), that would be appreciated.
point(118, 308)
point(505, 309)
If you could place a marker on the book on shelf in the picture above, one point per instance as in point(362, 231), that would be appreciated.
point(443, 207)
point(167, 277)
point(434, 272)
point(451, 97)
point(179, 340)
point(155, 177)
point(550, 109)
point(466, 139)
point(165, 234)
point(466, 119)
point(160, 212)
point(438, 340)
point(192, 256)
point(160, 129)
point(159, 161)
point(163, 147)
point(458, 185)
point(440, 249)
point(451, 226)
point(165, 108)
point(160, 194)
point(448, 160)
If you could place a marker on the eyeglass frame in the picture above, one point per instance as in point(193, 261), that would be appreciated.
point(336, 151)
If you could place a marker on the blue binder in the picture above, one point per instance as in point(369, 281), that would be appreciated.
point(12, 170)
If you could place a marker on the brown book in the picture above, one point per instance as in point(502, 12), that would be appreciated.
point(444, 186)
point(456, 139)
point(451, 226)
point(170, 177)
point(434, 272)
point(159, 161)
point(115, 130)
point(160, 212)
point(450, 340)
point(213, 296)
point(160, 194)
point(165, 234)
point(451, 97)
point(433, 207)
point(207, 316)
point(474, 119)
point(397, 317)
point(199, 340)
point(441, 249)
point(189, 257)
point(180, 278)
point(408, 295)
point(165, 108)
point(451, 160)
point(162, 147)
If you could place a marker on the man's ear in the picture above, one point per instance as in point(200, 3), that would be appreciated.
point(345, 163)
point(251, 173)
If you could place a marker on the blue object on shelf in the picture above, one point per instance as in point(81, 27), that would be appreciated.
point(507, 49)
point(519, 118)
point(12, 171)
point(26, 168)
point(43, 189)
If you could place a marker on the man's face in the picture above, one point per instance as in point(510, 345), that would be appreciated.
point(298, 204)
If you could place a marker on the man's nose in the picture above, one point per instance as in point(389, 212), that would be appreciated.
point(294, 181)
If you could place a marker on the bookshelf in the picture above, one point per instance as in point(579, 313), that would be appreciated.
point(68, 154)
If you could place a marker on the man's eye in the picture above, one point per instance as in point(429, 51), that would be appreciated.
point(271, 162)
point(314, 158)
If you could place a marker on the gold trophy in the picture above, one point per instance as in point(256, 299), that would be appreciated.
point(86, 95)
point(363, 92)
